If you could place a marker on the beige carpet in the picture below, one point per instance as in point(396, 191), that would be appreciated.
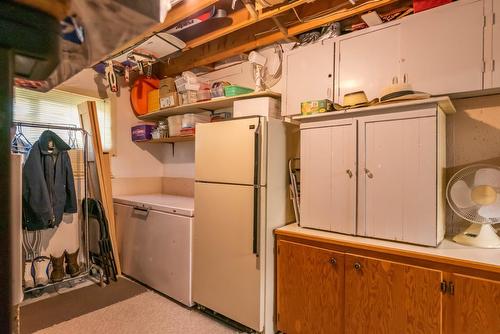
point(146, 313)
point(75, 303)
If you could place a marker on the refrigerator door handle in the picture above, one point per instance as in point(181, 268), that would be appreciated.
point(256, 190)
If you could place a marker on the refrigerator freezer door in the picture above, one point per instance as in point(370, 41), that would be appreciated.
point(225, 151)
point(155, 248)
point(226, 273)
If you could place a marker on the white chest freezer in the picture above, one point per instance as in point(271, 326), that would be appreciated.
point(154, 241)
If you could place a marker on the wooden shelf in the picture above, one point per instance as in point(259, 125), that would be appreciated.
point(210, 105)
point(170, 140)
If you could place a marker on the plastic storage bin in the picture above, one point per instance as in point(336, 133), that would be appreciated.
point(174, 125)
point(234, 90)
point(142, 132)
point(204, 95)
point(190, 120)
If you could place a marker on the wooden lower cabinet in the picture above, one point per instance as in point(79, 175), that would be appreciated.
point(310, 296)
point(388, 297)
point(474, 305)
point(322, 290)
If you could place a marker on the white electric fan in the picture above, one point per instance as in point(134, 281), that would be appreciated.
point(474, 195)
point(267, 69)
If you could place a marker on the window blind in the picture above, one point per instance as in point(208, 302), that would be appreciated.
point(59, 107)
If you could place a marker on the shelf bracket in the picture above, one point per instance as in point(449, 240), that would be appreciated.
point(173, 149)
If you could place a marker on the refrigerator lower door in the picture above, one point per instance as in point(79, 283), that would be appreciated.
point(228, 151)
point(155, 249)
point(226, 272)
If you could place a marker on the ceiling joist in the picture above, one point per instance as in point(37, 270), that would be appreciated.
point(242, 19)
point(244, 39)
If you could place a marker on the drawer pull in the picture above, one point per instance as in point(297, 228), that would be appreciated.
point(349, 172)
point(333, 261)
point(357, 266)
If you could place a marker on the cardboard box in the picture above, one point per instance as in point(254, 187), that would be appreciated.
point(168, 85)
point(169, 101)
point(154, 100)
point(315, 106)
point(260, 106)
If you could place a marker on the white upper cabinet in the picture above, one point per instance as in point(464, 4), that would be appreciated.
point(308, 75)
point(495, 64)
point(367, 62)
point(442, 48)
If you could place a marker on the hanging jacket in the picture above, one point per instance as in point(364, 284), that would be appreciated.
point(48, 184)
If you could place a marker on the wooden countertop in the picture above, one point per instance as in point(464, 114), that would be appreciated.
point(448, 252)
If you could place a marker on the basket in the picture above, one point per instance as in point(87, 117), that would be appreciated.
point(234, 90)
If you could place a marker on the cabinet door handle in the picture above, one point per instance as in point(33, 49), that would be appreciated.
point(349, 172)
point(405, 78)
point(451, 288)
point(368, 173)
point(357, 266)
point(333, 261)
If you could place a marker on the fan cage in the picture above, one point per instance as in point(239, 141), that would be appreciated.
point(470, 214)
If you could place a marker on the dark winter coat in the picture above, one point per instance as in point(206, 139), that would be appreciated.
point(48, 184)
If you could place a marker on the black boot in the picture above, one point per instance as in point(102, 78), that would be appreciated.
point(72, 267)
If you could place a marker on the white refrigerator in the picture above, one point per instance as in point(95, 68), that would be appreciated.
point(240, 198)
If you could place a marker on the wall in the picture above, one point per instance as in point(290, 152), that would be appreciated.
point(182, 163)
point(130, 159)
point(473, 136)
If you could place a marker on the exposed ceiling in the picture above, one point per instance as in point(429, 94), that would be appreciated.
point(251, 29)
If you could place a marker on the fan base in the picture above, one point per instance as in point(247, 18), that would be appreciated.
point(479, 235)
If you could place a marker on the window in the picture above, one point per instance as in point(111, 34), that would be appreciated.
point(59, 107)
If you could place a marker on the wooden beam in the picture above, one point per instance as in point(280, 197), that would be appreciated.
point(55, 8)
point(284, 30)
point(250, 8)
point(242, 19)
point(244, 41)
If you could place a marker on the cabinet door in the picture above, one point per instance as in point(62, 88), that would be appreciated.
point(328, 177)
point(308, 75)
point(387, 297)
point(496, 45)
point(442, 49)
point(397, 176)
point(310, 293)
point(473, 306)
point(368, 62)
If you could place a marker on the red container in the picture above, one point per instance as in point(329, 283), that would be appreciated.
point(421, 5)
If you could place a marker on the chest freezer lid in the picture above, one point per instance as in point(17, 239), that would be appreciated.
point(160, 202)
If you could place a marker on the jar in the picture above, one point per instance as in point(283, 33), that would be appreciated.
point(163, 129)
